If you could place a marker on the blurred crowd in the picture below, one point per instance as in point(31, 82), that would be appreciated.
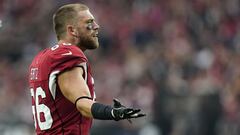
point(178, 60)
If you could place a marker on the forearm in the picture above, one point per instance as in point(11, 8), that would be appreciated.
point(89, 108)
point(84, 107)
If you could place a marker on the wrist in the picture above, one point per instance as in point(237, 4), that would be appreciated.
point(102, 112)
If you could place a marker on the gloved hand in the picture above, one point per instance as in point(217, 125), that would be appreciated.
point(121, 112)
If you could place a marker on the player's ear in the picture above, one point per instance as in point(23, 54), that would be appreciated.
point(72, 31)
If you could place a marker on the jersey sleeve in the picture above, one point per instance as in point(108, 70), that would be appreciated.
point(64, 58)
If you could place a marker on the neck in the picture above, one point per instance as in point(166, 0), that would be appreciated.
point(68, 40)
point(73, 42)
point(65, 41)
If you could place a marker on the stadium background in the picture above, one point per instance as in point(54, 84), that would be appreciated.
point(177, 59)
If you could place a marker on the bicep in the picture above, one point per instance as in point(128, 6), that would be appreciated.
point(72, 84)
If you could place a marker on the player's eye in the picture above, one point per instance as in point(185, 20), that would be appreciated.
point(90, 21)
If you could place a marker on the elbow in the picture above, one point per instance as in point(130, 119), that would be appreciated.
point(84, 107)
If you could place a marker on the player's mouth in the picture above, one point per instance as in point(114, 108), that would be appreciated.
point(95, 35)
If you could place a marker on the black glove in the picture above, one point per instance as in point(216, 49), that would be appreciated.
point(121, 112)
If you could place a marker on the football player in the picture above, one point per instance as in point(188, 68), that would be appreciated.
point(61, 82)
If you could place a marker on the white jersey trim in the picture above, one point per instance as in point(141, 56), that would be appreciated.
point(52, 79)
point(52, 83)
point(84, 65)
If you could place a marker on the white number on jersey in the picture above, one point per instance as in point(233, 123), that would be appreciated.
point(54, 47)
point(41, 108)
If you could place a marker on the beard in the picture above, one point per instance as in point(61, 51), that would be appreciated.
point(88, 42)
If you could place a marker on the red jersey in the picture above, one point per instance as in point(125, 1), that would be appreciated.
point(53, 114)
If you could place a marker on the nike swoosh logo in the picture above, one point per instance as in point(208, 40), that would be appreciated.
point(69, 53)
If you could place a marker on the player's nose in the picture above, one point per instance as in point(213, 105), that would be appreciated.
point(95, 26)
